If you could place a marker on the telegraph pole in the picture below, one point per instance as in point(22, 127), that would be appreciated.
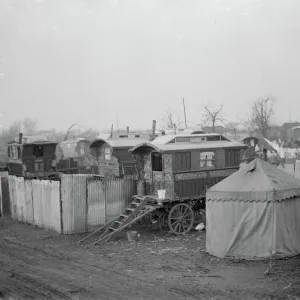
point(184, 113)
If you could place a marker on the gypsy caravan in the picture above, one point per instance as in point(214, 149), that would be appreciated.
point(31, 156)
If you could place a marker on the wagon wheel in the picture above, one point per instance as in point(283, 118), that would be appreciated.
point(163, 220)
point(181, 218)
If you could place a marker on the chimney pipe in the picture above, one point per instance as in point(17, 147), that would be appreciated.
point(153, 130)
point(265, 151)
point(20, 138)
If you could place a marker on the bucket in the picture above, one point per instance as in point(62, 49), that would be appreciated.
point(131, 235)
point(161, 194)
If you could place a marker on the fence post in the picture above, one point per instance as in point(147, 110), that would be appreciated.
point(61, 206)
point(1, 202)
point(105, 198)
point(87, 180)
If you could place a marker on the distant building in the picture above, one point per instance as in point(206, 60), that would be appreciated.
point(218, 129)
point(274, 133)
point(293, 134)
point(285, 127)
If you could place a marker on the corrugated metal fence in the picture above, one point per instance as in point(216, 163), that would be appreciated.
point(89, 201)
point(35, 202)
point(75, 205)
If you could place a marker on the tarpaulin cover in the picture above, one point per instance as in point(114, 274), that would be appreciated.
point(253, 225)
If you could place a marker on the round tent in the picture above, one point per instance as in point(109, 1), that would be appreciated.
point(254, 214)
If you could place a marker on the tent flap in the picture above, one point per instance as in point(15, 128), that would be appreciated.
point(252, 196)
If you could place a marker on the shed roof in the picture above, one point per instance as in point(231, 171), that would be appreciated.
point(119, 143)
point(29, 139)
point(293, 128)
point(164, 139)
point(40, 143)
point(189, 146)
point(32, 143)
point(258, 181)
point(74, 140)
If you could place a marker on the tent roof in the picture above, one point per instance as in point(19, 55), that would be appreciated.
point(257, 181)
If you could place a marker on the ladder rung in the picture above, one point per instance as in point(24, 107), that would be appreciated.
point(124, 216)
point(135, 203)
point(118, 222)
point(112, 228)
point(131, 209)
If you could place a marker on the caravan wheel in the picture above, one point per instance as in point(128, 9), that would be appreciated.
point(181, 218)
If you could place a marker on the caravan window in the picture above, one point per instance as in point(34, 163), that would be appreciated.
point(107, 153)
point(207, 159)
point(156, 160)
point(14, 152)
point(232, 157)
point(38, 151)
point(81, 151)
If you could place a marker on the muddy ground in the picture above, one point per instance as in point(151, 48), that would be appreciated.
point(36, 264)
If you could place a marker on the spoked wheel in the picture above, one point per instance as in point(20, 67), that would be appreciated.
point(163, 220)
point(181, 218)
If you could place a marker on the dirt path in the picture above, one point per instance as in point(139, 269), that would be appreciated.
point(35, 264)
point(32, 273)
point(40, 270)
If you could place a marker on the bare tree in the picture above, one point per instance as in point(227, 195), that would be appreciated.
point(261, 115)
point(8, 135)
point(212, 116)
point(89, 134)
point(169, 119)
point(29, 126)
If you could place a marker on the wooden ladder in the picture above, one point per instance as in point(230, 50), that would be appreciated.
point(136, 210)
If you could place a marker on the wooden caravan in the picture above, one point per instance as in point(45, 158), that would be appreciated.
point(113, 156)
point(31, 155)
point(74, 157)
point(185, 165)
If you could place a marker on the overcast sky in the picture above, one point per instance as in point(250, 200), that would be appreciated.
point(93, 61)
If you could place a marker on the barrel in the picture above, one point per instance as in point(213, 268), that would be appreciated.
point(141, 188)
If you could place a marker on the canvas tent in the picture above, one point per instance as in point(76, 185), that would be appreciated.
point(254, 214)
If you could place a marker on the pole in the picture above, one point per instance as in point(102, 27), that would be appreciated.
point(111, 130)
point(184, 112)
point(117, 123)
point(153, 130)
point(290, 115)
